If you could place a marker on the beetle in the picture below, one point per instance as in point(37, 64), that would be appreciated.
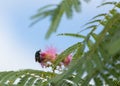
point(37, 56)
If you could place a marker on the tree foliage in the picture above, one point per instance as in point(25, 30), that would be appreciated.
point(26, 77)
point(100, 64)
point(56, 12)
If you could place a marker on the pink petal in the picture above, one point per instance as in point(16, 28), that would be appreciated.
point(67, 60)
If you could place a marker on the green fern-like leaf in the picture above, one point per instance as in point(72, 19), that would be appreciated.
point(96, 62)
point(26, 77)
point(107, 3)
point(56, 12)
point(72, 35)
point(65, 53)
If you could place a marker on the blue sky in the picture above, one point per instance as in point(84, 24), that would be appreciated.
point(19, 42)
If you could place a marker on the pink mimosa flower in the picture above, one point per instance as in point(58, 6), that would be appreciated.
point(47, 58)
point(67, 60)
point(49, 54)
